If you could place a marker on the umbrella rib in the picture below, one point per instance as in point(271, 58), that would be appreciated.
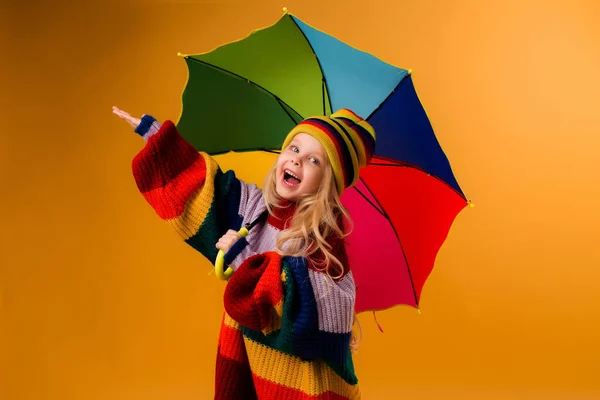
point(325, 87)
point(387, 217)
point(279, 101)
point(271, 151)
point(368, 200)
point(323, 94)
point(389, 96)
point(413, 166)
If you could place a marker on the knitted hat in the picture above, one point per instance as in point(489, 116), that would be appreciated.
point(348, 140)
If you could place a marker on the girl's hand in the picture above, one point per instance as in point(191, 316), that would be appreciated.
point(134, 122)
point(227, 240)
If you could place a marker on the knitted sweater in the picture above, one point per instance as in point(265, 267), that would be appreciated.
point(286, 329)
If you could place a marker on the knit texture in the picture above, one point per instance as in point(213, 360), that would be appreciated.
point(286, 328)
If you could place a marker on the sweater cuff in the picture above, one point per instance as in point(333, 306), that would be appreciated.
point(147, 127)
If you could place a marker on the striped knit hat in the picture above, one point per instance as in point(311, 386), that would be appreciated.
point(348, 140)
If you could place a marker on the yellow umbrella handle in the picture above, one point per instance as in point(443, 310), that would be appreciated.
point(220, 260)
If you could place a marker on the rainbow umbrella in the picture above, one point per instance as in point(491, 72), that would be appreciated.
point(247, 95)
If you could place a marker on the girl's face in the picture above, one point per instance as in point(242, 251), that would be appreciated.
point(300, 167)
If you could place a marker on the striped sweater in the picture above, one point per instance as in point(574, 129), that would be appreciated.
point(286, 328)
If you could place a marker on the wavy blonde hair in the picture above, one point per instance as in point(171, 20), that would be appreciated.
point(317, 216)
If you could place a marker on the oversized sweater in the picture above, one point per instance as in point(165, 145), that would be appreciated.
point(286, 328)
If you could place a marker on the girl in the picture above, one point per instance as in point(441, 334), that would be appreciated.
point(289, 306)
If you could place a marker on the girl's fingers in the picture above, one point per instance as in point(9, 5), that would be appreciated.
point(120, 112)
point(224, 242)
point(233, 234)
point(126, 116)
point(228, 240)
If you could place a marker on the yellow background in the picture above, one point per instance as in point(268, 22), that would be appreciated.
point(100, 300)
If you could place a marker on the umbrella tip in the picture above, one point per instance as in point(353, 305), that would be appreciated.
point(410, 71)
point(179, 54)
point(471, 204)
point(285, 10)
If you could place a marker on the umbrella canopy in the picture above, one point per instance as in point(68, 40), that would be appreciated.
point(247, 95)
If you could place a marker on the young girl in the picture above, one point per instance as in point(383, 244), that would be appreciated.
point(289, 305)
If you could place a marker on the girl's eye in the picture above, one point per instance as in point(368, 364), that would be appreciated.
point(314, 160)
point(294, 149)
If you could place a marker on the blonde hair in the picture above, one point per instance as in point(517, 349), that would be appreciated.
point(317, 216)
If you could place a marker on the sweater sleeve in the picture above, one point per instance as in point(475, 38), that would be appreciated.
point(187, 188)
point(283, 304)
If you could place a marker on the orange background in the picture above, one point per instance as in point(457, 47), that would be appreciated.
point(100, 300)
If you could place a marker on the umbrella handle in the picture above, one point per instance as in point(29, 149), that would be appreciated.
point(220, 260)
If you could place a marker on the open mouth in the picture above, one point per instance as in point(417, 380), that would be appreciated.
point(290, 179)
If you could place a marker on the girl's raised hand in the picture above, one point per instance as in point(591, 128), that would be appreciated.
point(134, 122)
